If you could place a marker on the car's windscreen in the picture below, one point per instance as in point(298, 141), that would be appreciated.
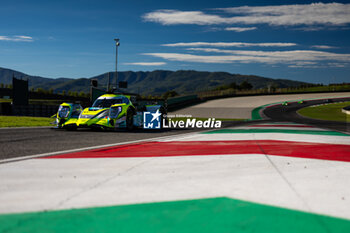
point(106, 103)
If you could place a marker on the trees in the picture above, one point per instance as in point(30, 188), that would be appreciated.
point(41, 90)
point(82, 94)
point(233, 85)
point(272, 87)
point(169, 94)
point(245, 85)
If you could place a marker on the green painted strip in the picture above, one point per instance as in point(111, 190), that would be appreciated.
point(204, 215)
point(256, 114)
point(289, 131)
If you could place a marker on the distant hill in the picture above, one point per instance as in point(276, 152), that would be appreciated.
point(154, 82)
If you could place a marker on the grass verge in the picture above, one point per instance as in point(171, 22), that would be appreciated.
point(20, 121)
point(329, 112)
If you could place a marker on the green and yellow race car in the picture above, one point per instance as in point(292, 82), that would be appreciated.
point(68, 115)
point(109, 111)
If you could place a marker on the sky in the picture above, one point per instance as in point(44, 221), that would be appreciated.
point(299, 40)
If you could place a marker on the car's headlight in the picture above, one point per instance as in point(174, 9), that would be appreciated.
point(63, 111)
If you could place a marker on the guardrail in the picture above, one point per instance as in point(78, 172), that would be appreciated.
point(28, 110)
point(34, 110)
point(176, 103)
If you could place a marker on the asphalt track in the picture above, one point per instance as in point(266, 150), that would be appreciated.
point(289, 114)
point(19, 142)
point(241, 107)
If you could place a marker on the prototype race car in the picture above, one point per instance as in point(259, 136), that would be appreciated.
point(109, 111)
point(67, 115)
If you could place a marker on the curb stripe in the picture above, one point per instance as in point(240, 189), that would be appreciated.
point(188, 148)
point(288, 131)
point(325, 139)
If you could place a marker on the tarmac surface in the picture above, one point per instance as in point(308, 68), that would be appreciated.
point(241, 107)
point(289, 113)
point(18, 142)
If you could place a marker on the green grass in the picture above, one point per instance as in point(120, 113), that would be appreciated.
point(5, 100)
point(20, 121)
point(330, 112)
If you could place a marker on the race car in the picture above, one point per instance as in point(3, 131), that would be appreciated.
point(67, 115)
point(285, 103)
point(109, 111)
